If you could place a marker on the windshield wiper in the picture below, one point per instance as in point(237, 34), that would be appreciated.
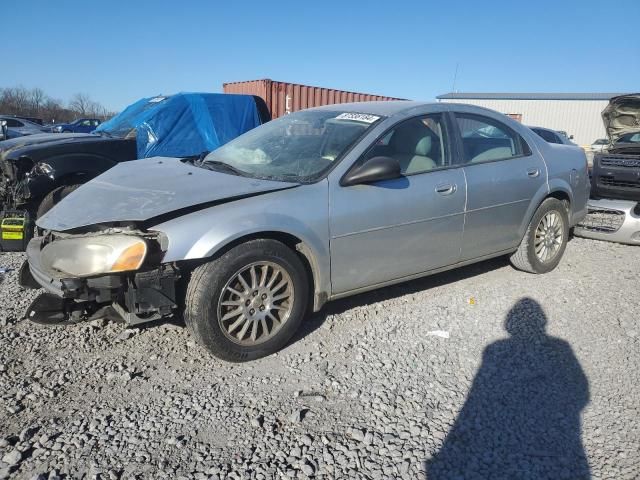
point(223, 166)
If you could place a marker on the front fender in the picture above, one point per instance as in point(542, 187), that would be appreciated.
point(67, 169)
point(301, 212)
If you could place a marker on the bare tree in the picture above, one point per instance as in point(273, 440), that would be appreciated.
point(37, 99)
point(81, 103)
point(53, 112)
point(36, 103)
point(16, 99)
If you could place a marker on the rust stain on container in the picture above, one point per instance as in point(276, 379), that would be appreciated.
point(283, 98)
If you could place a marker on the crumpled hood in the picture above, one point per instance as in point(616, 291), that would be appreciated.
point(144, 189)
point(7, 146)
point(622, 116)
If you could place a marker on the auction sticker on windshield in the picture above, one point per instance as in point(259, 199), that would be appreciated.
point(358, 117)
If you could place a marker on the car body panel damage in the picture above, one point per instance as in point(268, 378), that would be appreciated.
point(139, 191)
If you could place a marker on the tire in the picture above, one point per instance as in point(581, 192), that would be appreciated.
point(213, 284)
point(53, 197)
point(526, 258)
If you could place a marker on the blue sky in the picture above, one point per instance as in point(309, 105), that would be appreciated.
point(119, 51)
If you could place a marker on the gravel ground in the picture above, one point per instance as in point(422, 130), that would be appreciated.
point(484, 372)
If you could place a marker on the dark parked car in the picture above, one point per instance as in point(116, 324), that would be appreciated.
point(13, 127)
point(614, 207)
point(553, 136)
point(616, 171)
point(81, 125)
point(39, 170)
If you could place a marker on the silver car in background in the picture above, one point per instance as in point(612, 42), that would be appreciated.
point(317, 205)
point(13, 127)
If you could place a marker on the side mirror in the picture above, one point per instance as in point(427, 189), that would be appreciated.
point(570, 137)
point(3, 129)
point(373, 170)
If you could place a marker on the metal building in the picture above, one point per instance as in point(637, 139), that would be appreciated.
point(578, 114)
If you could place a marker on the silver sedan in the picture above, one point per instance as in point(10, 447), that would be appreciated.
point(317, 205)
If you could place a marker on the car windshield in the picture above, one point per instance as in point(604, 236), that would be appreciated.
point(633, 137)
point(296, 147)
point(123, 124)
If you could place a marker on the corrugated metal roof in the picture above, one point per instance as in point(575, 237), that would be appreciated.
point(527, 96)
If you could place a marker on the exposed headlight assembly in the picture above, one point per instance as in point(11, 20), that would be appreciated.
point(96, 255)
point(43, 168)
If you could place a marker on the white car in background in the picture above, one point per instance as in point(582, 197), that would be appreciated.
point(600, 145)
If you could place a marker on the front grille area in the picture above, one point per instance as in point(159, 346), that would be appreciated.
point(627, 161)
point(609, 181)
point(603, 220)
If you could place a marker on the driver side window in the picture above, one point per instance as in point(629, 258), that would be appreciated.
point(418, 144)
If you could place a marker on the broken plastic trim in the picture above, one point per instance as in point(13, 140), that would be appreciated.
point(49, 309)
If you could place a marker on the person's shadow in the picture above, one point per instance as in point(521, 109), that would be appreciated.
point(521, 419)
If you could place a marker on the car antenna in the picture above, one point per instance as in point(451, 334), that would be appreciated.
point(455, 77)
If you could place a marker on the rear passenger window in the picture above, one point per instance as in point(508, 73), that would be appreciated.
point(418, 145)
point(548, 136)
point(487, 140)
point(14, 123)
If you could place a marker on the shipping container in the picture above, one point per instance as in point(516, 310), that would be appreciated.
point(283, 98)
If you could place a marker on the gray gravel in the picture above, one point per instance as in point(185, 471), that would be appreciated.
point(521, 376)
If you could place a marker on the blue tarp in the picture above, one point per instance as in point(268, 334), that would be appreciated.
point(184, 124)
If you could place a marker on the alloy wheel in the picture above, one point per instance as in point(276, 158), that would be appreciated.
point(255, 303)
point(549, 236)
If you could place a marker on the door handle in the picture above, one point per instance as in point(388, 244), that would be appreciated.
point(446, 188)
point(533, 172)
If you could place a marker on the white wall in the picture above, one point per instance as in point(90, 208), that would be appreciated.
point(580, 118)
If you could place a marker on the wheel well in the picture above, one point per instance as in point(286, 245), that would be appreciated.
point(557, 194)
point(563, 197)
point(291, 241)
point(75, 178)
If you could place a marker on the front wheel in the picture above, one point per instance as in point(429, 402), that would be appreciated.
point(546, 238)
point(53, 197)
point(249, 302)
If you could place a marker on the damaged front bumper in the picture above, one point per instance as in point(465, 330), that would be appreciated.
point(612, 221)
point(137, 297)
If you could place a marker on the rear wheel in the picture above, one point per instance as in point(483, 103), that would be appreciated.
point(53, 197)
point(546, 238)
point(249, 302)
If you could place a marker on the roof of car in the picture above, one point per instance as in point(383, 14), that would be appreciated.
point(526, 96)
point(386, 108)
point(542, 128)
